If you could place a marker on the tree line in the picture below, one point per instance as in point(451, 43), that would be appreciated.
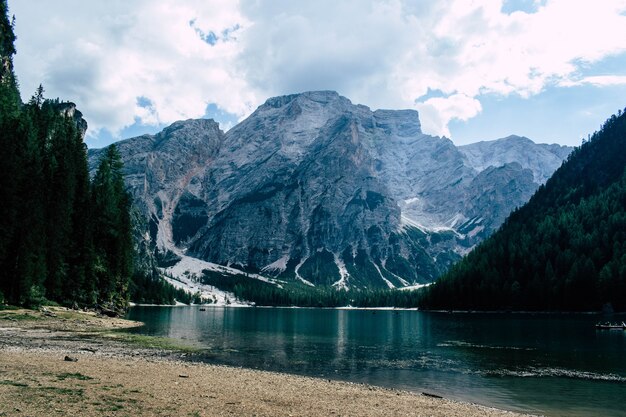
point(268, 294)
point(63, 237)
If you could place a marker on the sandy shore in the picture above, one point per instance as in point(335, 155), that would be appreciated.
point(119, 376)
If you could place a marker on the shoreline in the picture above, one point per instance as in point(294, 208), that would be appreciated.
point(525, 312)
point(122, 374)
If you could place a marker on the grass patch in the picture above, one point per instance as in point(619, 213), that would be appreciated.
point(112, 407)
point(18, 316)
point(65, 391)
point(115, 404)
point(78, 376)
point(13, 383)
point(72, 315)
point(152, 342)
point(8, 307)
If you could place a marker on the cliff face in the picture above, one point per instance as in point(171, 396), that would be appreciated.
point(311, 187)
point(68, 109)
point(162, 173)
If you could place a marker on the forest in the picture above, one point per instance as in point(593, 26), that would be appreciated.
point(293, 294)
point(565, 250)
point(64, 237)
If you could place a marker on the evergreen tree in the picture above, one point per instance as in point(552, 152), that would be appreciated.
point(10, 150)
point(112, 231)
point(9, 94)
point(24, 261)
point(80, 285)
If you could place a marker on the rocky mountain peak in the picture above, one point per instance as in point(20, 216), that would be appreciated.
point(541, 159)
point(316, 189)
point(192, 134)
point(321, 97)
point(68, 109)
point(402, 123)
point(191, 128)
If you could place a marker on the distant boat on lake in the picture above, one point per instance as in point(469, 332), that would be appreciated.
point(609, 326)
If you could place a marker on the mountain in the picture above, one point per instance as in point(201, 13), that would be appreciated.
point(564, 250)
point(541, 159)
point(311, 188)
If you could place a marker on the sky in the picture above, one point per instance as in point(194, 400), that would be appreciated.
point(550, 70)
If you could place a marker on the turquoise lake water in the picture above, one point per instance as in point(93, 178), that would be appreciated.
point(557, 365)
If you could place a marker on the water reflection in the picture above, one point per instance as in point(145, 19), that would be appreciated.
point(557, 365)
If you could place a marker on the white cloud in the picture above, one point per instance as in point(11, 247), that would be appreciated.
point(437, 112)
point(597, 80)
point(108, 57)
point(390, 53)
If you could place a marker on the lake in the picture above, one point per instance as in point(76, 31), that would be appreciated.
point(557, 365)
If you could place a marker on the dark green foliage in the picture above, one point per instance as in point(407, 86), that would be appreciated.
point(189, 216)
point(7, 35)
point(112, 230)
point(564, 250)
point(9, 94)
point(151, 288)
point(166, 259)
point(48, 187)
point(267, 294)
point(360, 265)
point(320, 268)
point(59, 239)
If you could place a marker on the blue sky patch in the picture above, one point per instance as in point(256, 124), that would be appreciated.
point(526, 6)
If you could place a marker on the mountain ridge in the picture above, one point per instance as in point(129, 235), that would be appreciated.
point(313, 188)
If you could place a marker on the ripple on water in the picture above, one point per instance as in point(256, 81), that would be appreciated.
point(459, 343)
point(538, 372)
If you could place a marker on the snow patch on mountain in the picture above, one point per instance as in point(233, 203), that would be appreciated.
point(278, 266)
point(186, 274)
point(389, 284)
point(414, 287)
point(342, 283)
point(299, 277)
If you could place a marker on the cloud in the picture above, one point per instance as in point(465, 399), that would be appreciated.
point(597, 80)
point(437, 112)
point(391, 53)
point(155, 62)
point(109, 57)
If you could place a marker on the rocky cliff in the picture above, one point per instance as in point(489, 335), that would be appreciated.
point(313, 188)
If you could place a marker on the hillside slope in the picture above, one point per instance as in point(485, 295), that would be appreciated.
point(564, 250)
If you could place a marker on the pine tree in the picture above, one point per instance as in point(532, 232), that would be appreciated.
point(80, 286)
point(9, 94)
point(25, 263)
point(10, 150)
point(112, 233)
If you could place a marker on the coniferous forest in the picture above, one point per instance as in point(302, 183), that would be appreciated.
point(66, 237)
point(565, 250)
point(63, 238)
